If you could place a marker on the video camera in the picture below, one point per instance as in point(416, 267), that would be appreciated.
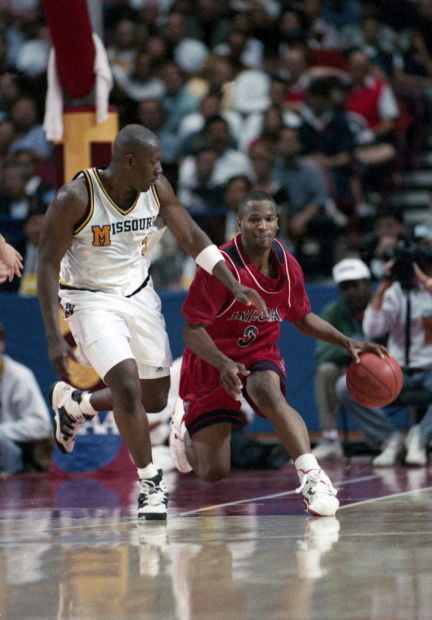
point(404, 255)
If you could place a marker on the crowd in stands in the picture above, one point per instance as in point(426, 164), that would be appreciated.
point(320, 102)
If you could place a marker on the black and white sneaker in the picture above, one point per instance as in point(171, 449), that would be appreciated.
point(68, 417)
point(153, 498)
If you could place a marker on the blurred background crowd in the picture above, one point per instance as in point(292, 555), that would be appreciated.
point(325, 104)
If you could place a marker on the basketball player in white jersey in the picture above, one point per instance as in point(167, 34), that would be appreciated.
point(94, 243)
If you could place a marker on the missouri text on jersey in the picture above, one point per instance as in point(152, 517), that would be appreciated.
point(102, 234)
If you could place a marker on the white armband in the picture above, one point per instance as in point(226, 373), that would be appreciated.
point(208, 258)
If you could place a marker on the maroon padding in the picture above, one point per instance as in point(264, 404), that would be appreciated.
point(100, 154)
point(58, 167)
point(71, 33)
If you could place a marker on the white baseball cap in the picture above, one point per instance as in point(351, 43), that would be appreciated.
point(350, 269)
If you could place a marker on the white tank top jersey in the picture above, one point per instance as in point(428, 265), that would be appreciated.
point(108, 252)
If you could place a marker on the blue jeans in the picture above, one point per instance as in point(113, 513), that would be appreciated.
point(422, 380)
point(374, 423)
point(10, 455)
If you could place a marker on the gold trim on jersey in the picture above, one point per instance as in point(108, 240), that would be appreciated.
point(155, 194)
point(63, 283)
point(65, 286)
point(114, 204)
point(88, 215)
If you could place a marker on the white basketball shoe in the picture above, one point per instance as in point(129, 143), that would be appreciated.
point(319, 495)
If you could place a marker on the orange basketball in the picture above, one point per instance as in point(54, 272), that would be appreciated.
point(375, 381)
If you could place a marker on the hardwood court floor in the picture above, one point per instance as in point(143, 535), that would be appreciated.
point(240, 549)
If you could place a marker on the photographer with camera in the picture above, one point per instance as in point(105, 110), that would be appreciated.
point(402, 308)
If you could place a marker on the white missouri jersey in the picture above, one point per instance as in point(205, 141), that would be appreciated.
point(108, 249)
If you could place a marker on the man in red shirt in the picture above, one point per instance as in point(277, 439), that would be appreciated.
point(371, 97)
point(231, 350)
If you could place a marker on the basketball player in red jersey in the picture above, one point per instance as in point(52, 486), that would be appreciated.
point(231, 349)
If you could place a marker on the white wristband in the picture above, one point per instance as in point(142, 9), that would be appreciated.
point(208, 258)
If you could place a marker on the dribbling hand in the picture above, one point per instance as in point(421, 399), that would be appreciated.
point(355, 347)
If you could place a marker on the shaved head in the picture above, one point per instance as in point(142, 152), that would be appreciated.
point(133, 137)
point(135, 160)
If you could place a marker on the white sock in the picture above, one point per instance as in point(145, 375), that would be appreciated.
point(149, 471)
point(332, 434)
point(304, 463)
point(85, 404)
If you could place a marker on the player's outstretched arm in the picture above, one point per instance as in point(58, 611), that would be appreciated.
point(198, 340)
point(67, 208)
point(195, 242)
point(316, 327)
point(10, 261)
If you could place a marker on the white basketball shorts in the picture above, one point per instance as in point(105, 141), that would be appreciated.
point(108, 329)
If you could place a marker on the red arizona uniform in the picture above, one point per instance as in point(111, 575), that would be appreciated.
point(240, 332)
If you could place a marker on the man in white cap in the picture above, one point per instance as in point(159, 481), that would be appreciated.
point(346, 313)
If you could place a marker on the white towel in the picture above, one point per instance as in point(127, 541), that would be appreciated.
point(53, 119)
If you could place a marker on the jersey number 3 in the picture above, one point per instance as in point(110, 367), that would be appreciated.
point(249, 335)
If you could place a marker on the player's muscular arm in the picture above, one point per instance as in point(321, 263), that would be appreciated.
point(187, 232)
point(68, 208)
point(199, 341)
point(316, 327)
point(193, 240)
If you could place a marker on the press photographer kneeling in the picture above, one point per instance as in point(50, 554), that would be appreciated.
point(402, 308)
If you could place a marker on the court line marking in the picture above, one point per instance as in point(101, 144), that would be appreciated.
point(261, 497)
point(378, 499)
point(215, 506)
point(128, 520)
